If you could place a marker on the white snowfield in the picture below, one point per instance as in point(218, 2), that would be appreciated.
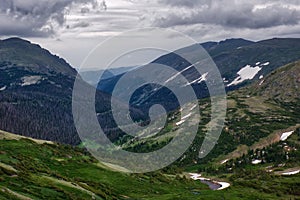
point(285, 136)
point(246, 73)
point(196, 177)
point(291, 173)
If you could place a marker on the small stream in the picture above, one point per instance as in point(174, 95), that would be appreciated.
point(213, 185)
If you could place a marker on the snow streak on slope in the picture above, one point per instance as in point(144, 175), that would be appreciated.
point(199, 80)
point(285, 136)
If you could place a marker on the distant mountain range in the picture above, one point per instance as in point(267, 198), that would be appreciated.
point(36, 86)
point(93, 76)
point(239, 61)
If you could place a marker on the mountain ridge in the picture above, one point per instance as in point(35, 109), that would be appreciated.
point(21, 52)
point(239, 61)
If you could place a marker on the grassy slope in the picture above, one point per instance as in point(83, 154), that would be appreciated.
point(50, 171)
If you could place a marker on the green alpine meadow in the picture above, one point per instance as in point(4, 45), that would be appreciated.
point(149, 100)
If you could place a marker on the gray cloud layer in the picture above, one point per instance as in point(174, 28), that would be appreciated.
point(229, 13)
point(34, 18)
point(179, 3)
point(43, 18)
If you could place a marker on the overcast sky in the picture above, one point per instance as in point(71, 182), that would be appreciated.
point(71, 28)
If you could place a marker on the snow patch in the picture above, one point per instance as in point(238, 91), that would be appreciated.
point(258, 63)
point(284, 136)
point(192, 108)
point(3, 88)
point(183, 119)
point(203, 77)
point(255, 162)
point(225, 81)
point(224, 185)
point(291, 173)
point(261, 82)
point(224, 161)
point(30, 80)
point(261, 77)
point(180, 122)
point(266, 64)
point(187, 116)
point(246, 73)
point(195, 176)
point(199, 80)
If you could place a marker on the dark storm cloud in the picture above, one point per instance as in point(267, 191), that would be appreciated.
point(34, 18)
point(229, 13)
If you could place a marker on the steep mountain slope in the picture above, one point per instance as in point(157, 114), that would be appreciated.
point(36, 89)
point(282, 85)
point(272, 103)
point(36, 94)
point(232, 55)
point(277, 52)
point(240, 62)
